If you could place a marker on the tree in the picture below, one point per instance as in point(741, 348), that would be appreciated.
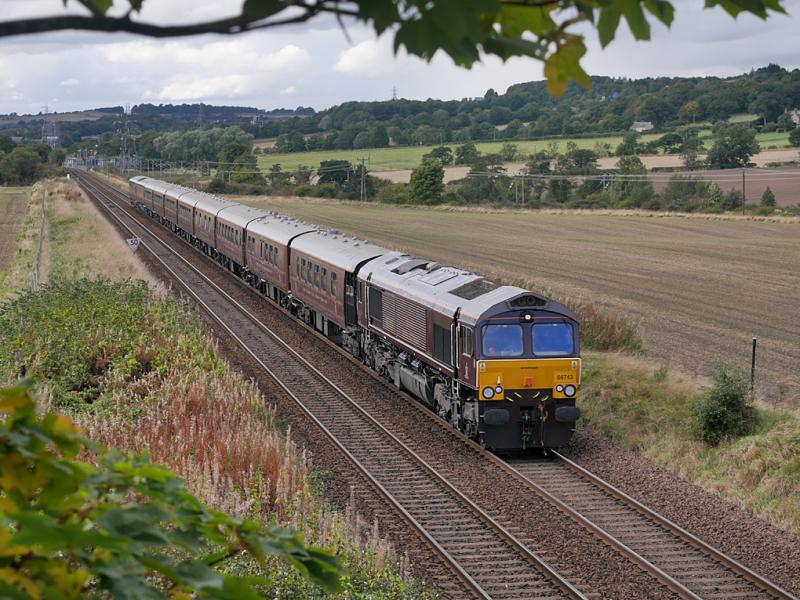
point(334, 171)
point(552, 32)
point(734, 145)
point(690, 110)
point(768, 198)
point(427, 183)
point(21, 167)
point(466, 154)
point(6, 144)
point(634, 189)
point(629, 144)
point(509, 152)
point(794, 137)
point(444, 154)
point(117, 525)
point(785, 121)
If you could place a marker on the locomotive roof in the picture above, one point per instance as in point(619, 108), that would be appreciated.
point(335, 248)
point(240, 215)
point(445, 289)
point(279, 228)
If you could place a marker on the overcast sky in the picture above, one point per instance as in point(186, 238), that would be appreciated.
point(315, 65)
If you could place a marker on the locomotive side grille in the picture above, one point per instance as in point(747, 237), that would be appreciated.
point(405, 319)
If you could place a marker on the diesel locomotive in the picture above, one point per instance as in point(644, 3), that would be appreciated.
point(500, 363)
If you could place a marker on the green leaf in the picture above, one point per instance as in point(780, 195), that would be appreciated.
point(662, 10)
point(100, 6)
point(516, 20)
point(139, 523)
point(564, 66)
point(634, 15)
point(608, 23)
point(199, 575)
point(260, 9)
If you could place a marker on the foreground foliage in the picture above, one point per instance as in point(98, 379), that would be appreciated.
point(117, 524)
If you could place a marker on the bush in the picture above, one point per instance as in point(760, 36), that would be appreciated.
point(725, 410)
point(395, 193)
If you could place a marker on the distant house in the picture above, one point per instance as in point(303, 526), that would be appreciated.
point(640, 126)
point(795, 115)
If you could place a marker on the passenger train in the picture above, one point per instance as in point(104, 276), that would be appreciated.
point(500, 363)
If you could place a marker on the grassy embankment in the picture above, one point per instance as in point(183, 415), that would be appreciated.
point(387, 159)
point(135, 369)
point(663, 273)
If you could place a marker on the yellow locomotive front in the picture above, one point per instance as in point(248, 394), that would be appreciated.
point(528, 374)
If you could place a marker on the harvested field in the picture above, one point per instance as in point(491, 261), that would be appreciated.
point(13, 208)
point(699, 288)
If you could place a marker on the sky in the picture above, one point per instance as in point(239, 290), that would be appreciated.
point(319, 65)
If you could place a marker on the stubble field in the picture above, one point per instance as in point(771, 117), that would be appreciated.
point(698, 288)
point(13, 208)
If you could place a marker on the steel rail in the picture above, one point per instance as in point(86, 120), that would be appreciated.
point(94, 186)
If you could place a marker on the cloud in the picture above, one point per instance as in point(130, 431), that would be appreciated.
point(70, 82)
point(288, 91)
point(369, 57)
point(226, 86)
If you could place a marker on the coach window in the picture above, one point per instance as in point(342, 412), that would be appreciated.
point(316, 276)
point(333, 283)
point(298, 267)
point(323, 280)
point(302, 268)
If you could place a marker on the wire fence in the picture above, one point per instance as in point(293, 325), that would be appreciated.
point(37, 265)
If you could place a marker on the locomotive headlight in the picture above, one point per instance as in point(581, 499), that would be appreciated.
point(488, 392)
point(570, 390)
point(559, 388)
point(498, 390)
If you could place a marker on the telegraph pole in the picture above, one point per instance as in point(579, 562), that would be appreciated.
point(744, 198)
point(363, 180)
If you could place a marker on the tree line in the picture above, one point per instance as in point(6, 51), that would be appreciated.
point(528, 111)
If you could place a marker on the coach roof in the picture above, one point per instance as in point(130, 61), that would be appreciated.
point(279, 228)
point(343, 251)
point(240, 215)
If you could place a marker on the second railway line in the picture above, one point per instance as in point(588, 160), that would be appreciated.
point(696, 579)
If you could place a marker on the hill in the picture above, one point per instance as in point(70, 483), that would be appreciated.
point(527, 110)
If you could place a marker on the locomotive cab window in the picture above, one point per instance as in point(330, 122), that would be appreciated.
point(502, 340)
point(442, 344)
point(466, 340)
point(552, 339)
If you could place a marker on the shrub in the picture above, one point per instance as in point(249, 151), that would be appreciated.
point(725, 410)
point(605, 331)
point(768, 198)
point(395, 193)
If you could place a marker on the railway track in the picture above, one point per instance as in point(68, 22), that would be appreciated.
point(681, 562)
point(684, 563)
point(458, 531)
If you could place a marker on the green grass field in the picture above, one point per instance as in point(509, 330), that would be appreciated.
point(389, 159)
point(386, 159)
